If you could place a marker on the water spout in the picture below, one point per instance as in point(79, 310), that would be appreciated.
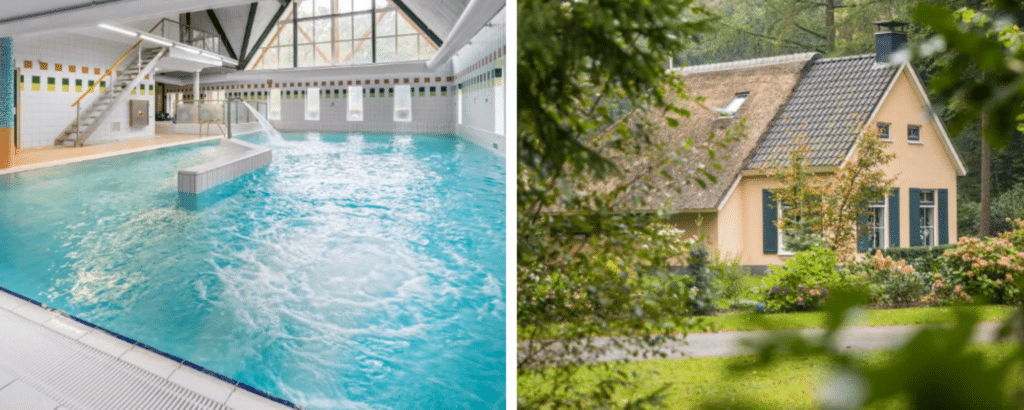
point(267, 127)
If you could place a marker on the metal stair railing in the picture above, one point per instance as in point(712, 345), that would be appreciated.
point(111, 95)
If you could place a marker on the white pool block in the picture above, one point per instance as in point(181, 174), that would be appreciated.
point(240, 158)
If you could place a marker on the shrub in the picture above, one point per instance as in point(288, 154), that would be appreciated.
point(805, 281)
point(922, 258)
point(729, 279)
point(701, 299)
point(989, 267)
point(891, 283)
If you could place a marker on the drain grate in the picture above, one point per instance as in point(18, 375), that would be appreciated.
point(82, 377)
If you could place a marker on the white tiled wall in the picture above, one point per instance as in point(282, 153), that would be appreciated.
point(433, 114)
point(44, 114)
point(429, 115)
point(477, 68)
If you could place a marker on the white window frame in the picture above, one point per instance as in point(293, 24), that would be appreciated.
point(458, 103)
point(781, 232)
point(736, 103)
point(888, 131)
point(313, 104)
point(914, 127)
point(355, 103)
point(883, 228)
point(403, 103)
point(274, 105)
point(930, 209)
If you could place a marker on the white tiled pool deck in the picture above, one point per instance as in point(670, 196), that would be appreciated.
point(49, 361)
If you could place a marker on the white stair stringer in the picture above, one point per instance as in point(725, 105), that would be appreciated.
point(103, 105)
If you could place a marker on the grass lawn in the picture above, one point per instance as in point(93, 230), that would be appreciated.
point(869, 317)
point(790, 384)
point(803, 320)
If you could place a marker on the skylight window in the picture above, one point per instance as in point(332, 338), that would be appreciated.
point(735, 104)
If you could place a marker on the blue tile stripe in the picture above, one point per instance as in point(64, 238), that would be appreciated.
point(6, 82)
point(169, 356)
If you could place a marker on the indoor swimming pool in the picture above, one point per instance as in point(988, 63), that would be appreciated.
point(357, 271)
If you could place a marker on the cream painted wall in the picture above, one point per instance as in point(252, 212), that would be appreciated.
point(924, 165)
point(688, 222)
point(731, 227)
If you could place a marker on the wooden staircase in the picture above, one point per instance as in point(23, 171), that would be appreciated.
point(91, 117)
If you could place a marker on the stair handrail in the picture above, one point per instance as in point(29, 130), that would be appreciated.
point(110, 70)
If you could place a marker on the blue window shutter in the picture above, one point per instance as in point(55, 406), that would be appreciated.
point(769, 213)
point(863, 239)
point(894, 218)
point(915, 216)
point(943, 211)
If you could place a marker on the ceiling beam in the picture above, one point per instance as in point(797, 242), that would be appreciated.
point(419, 23)
point(220, 32)
point(266, 32)
point(248, 28)
point(90, 12)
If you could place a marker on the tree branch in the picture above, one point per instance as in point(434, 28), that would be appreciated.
point(809, 31)
point(777, 40)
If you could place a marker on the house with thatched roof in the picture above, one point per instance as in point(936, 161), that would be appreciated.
point(790, 101)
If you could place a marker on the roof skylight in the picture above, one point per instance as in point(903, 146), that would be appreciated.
point(735, 104)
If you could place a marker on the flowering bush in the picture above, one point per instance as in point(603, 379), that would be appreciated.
point(805, 281)
point(891, 282)
point(990, 266)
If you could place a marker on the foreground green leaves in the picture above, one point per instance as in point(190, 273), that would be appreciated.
point(935, 370)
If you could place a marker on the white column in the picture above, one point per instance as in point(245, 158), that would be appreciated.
point(195, 86)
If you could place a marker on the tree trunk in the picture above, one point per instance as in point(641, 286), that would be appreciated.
point(830, 24)
point(986, 182)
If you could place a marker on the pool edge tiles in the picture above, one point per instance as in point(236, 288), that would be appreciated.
point(192, 377)
point(103, 155)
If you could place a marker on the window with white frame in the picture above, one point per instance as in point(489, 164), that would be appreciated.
point(883, 130)
point(786, 235)
point(914, 133)
point(927, 217)
point(876, 225)
point(403, 103)
point(458, 105)
point(313, 104)
point(355, 103)
point(274, 105)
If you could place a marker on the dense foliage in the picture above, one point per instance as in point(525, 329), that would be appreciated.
point(991, 266)
point(730, 283)
point(586, 262)
point(805, 281)
point(702, 295)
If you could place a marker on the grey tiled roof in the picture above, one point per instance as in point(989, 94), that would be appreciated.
point(831, 101)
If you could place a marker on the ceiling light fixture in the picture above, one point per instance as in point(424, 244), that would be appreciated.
point(119, 30)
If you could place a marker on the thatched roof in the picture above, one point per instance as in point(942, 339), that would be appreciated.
point(769, 82)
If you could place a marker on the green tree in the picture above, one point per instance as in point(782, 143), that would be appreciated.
point(833, 201)
point(587, 263)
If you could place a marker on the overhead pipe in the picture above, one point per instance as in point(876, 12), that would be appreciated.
point(476, 15)
point(58, 10)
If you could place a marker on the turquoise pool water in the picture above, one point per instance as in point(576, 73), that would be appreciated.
point(358, 271)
